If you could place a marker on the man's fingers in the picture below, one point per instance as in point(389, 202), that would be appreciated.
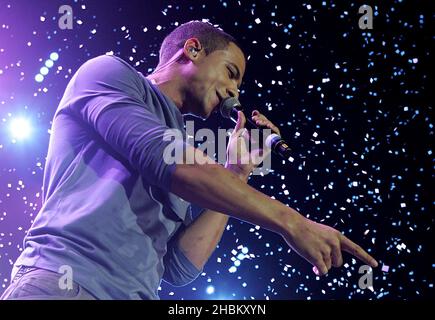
point(327, 259)
point(258, 155)
point(261, 120)
point(354, 249)
point(337, 258)
point(241, 120)
point(320, 269)
point(319, 266)
point(239, 129)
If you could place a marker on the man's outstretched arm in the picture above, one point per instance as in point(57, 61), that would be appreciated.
point(216, 188)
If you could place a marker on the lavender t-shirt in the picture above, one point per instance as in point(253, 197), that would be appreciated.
point(107, 211)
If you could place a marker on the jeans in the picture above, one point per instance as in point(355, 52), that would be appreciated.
point(30, 283)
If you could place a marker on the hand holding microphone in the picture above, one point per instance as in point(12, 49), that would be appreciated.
point(229, 108)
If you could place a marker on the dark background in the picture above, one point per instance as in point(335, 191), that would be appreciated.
point(355, 106)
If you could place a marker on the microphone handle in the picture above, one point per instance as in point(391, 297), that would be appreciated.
point(249, 123)
point(281, 148)
point(278, 146)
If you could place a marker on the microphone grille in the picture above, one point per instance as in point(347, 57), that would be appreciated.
point(271, 140)
point(227, 106)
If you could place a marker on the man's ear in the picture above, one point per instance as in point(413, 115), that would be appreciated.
point(192, 49)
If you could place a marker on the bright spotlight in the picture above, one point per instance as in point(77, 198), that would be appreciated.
point(210, 290)
point(232, 269)
point(39, 77)
point(44, 71)
point(54, 56)
point(20, 128)
point(49, 63)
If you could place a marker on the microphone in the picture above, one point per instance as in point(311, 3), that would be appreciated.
point(228, 109)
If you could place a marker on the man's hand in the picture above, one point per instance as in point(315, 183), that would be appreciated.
point(322, 245)
point(213, 187)
point(317, 243)
point(239, 159)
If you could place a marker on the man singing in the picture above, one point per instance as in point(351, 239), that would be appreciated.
point(115, 216)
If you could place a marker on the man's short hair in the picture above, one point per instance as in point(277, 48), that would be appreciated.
point(212, 38)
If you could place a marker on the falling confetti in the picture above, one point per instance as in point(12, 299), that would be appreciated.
point(352, 102)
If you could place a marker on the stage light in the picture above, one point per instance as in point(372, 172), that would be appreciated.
point(49, 63)
point(20, 128)
point(210, 290)
point(44, 71)
point(54, 56)
point(39, 77)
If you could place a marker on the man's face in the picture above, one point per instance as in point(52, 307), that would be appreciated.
point(212, 78)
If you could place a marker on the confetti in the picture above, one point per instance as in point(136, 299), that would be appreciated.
point(353, 103)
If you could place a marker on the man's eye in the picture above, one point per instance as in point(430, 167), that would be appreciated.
point(230, 73)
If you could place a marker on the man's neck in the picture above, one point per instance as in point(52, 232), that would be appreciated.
point(170, 86)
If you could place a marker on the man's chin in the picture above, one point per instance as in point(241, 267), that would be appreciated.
point(206, 115)
point(201, 116)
